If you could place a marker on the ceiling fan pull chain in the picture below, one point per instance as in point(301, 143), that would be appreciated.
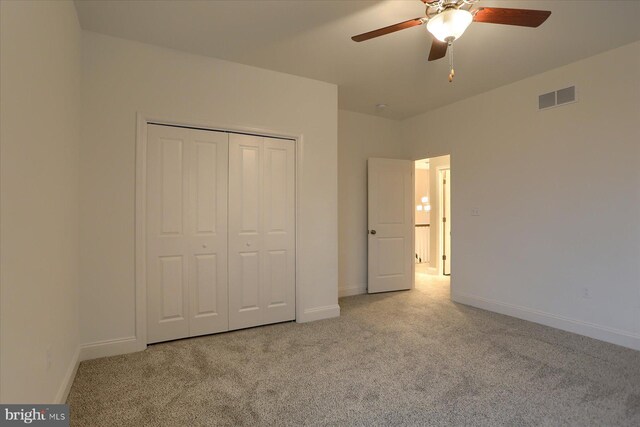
point(452, 73)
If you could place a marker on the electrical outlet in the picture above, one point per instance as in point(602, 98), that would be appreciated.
point(475, 211)
point(48, 357)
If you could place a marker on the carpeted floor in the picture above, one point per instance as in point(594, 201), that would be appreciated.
point(403, 358)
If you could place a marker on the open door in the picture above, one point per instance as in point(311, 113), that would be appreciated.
point(391, 235)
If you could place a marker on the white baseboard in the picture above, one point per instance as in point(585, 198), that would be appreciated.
point(69, 376)
point(352, 290)
point(320, 313)
point(110, 348)
point(603, 333)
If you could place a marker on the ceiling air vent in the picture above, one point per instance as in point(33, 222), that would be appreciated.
point(556, 98)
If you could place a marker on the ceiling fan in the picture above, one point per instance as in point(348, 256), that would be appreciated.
point(447, 20)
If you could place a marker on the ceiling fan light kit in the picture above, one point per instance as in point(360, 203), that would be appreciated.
point(450, 24)
point(447, 20)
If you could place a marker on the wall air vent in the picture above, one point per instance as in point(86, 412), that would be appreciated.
point(547, 100)
point(566, 95)
point(557, 98)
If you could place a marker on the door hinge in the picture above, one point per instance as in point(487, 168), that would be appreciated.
point(444, 219)
point(444, 257)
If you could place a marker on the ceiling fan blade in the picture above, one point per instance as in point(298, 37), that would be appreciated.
point(520, 17)
point(438, 50)
point(387, 30)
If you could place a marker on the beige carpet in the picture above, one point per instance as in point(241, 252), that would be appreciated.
point(404, 358)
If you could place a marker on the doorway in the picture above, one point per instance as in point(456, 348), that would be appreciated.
point(432, 209)
point(409, 225)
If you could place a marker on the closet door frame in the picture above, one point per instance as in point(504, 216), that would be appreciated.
point(139, 341)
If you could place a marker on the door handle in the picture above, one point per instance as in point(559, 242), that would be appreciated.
point(373, 231)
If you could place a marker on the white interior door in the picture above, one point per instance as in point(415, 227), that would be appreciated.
point(186, 232)
point(446, 222)
point(261, 230)
point(391, 229)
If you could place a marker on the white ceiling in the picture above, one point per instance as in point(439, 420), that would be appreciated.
point(312, 39)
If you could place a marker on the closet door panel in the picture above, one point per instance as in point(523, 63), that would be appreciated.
point(261, 231)
point(167, 271)
point(187, 177)
point(278, 197)
point(245, 243)
point(208, 173)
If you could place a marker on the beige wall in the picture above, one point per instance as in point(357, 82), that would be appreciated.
point(360, 137)
point(39, 135)
point(121, 78)
point(553, 243)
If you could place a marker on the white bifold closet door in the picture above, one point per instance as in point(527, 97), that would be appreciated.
point(186, 217)
point(220, 217)
point(261, 230)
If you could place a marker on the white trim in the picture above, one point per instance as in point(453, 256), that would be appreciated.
point(108, 348)
point(140, 339)
point(352, 290)
point(599, 332)
point(413, 228)
point(69, 376)
point(140, 232)
point(319, 313)
point(298, 173)
point(439, 264)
